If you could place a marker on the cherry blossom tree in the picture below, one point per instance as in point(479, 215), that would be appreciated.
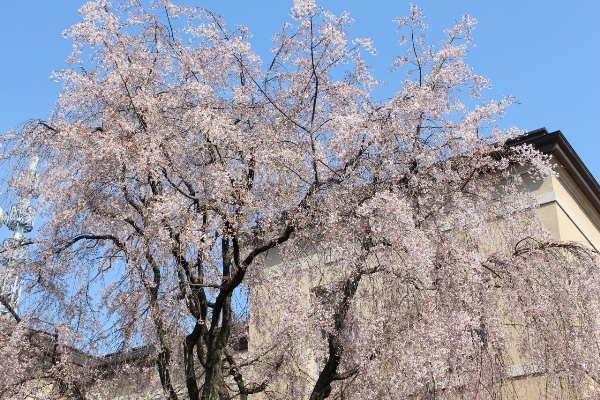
point(377, 249)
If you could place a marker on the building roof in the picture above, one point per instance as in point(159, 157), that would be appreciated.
point(555, 144)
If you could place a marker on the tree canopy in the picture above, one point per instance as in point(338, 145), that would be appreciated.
point(192, 194)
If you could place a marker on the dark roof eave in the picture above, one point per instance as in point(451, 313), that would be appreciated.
point(557, 145)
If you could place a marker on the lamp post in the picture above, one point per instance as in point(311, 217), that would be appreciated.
point(19, 219)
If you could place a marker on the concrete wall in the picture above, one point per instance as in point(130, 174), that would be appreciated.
point(565, 211)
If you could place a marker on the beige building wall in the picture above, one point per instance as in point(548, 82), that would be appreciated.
point(565, 211)
point(570, 217)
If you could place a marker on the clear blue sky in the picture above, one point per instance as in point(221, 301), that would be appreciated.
point(546, 53)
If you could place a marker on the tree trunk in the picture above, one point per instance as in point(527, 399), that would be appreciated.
point(163, 360)
point(213, 380)
point(329, 373)
point(191, 340)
